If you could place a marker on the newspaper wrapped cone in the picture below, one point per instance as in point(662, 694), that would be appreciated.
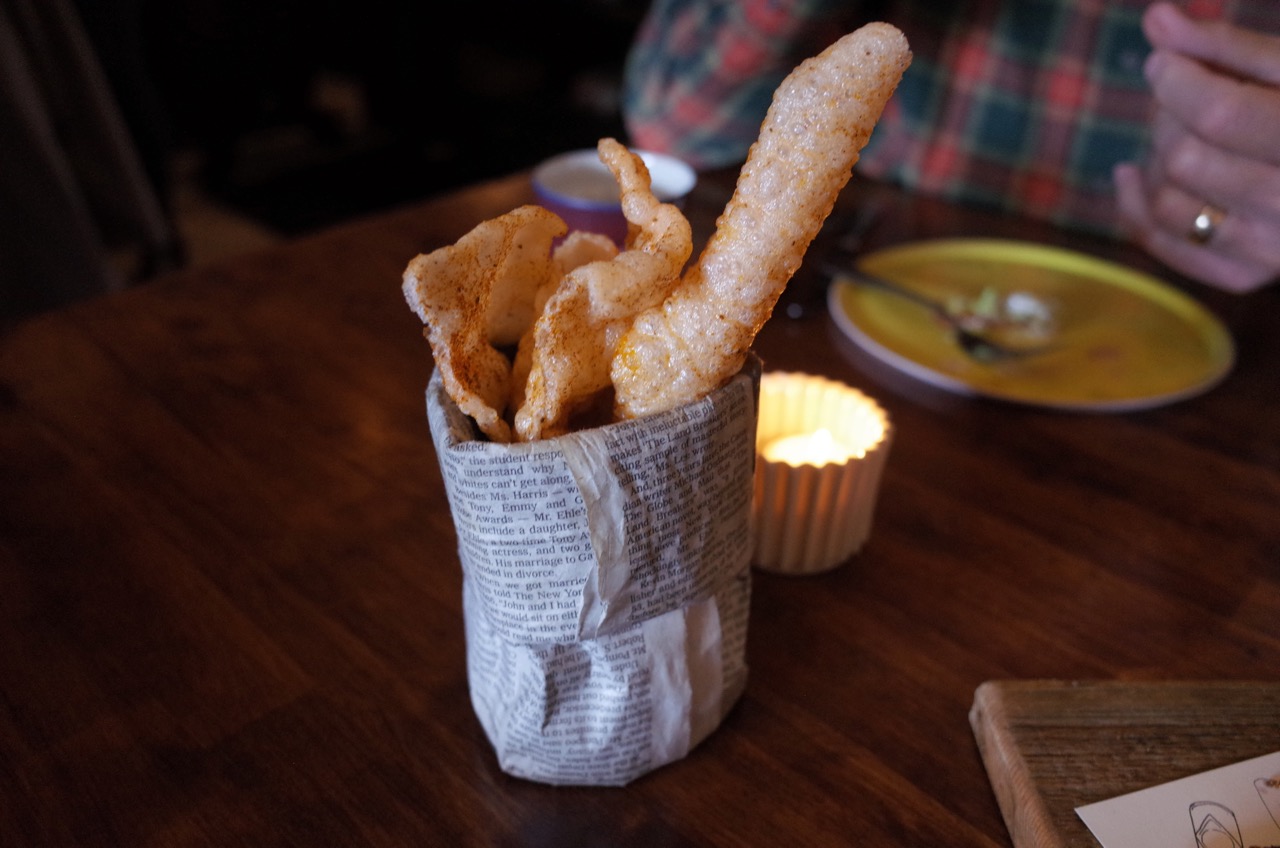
point(810, 518)
point(606, 583)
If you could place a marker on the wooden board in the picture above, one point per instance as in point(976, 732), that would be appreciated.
point(1052, 746)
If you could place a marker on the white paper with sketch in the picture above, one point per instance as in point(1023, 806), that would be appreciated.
point(1236, 806)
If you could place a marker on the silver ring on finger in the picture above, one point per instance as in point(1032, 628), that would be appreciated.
point(1206, 224)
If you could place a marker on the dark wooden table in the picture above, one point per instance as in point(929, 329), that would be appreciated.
point(230, 598)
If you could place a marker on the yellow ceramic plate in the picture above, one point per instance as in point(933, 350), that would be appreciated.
point(1120, 339)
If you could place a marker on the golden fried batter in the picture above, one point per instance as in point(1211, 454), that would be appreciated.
point(451, 290)
point(578, 328)
point(820, 119)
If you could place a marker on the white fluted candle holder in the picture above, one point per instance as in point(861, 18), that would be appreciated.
point(821, 446)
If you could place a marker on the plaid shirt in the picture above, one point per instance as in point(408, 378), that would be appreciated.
point(1022, 105)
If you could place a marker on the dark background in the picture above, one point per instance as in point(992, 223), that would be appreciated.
point(303, 114)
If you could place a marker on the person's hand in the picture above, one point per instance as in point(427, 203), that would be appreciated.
point(1207, 202)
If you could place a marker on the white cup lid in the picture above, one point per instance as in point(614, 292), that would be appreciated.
point(579, 179)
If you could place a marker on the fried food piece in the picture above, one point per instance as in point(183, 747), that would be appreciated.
point(452, 291)
point(522, 271)
point(577, 249)
point(821, 117)
point(575, 334)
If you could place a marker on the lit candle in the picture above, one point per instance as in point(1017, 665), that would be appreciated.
point(822, 446)
point(818, 448)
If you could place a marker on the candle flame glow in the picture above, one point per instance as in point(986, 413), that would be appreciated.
point(816, 448)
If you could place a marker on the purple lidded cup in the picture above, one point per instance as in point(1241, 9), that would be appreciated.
point(579, 188)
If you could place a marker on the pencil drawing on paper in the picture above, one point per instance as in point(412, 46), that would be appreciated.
point(1269, 791)
point(1215, 826)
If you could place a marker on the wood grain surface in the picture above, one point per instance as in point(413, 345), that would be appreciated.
point(230, 604)
point(1052, 746)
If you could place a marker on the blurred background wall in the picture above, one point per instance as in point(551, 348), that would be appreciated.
point(354, 104)
point(291, 115)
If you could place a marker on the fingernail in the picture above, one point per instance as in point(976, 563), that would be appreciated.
point(1124, 174)
point(1154, 66)
point(1158, 21)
